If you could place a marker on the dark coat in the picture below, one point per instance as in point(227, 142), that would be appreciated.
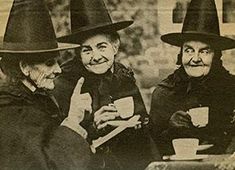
point(31, 136)
point(178, 92)
point(130, 149)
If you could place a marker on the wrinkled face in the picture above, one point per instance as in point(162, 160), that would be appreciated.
point(197, 58)
point(97, 53)
point(43, 74)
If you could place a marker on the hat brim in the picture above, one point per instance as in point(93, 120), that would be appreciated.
point(216, 41)
point(102, 28)
point(61, 47)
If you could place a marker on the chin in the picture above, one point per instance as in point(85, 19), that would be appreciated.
point(196, 75)
point(50, 86)
point(98, 71)
point(193, 72)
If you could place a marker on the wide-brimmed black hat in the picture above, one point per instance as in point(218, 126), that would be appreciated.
point(29, 29)
point(91, 16)
point(200, 23)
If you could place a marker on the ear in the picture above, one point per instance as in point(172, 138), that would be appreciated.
point(24, 68)
point(116, 45)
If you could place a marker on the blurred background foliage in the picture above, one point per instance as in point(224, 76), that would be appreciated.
point(141, 47)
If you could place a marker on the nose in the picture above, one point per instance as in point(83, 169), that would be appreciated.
point(57, 68)
point(196, 57)
point(96, 56)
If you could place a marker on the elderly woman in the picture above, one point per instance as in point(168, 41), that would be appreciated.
point(200, 82)
point(34, 133)
point(107, 83)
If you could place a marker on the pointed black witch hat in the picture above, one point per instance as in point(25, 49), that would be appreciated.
point(90, 16)
point(200, 23)
point(30, 30)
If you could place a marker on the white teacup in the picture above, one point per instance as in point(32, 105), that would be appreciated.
point(125, 107)
point(199, 116)
point(185, 147)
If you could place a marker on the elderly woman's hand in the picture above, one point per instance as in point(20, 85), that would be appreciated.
point(76, 110)
point(105, 114)
point(180, 119)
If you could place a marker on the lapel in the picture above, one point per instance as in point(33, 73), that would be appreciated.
point(49, 103)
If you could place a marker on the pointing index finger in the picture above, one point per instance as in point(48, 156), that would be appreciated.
point(77, 89)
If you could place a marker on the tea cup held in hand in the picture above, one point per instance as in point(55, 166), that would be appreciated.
point(185, 147)
point(125, 107)
point(199, 116)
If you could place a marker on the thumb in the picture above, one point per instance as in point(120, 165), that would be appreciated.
point(77, 89)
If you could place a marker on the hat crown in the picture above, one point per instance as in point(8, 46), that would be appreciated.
point(201, 17)
point(90, 17)
point(88, 13)
point(201, 23)
point(29, 27)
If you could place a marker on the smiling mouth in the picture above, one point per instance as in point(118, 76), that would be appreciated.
point(98, 63)
point(51, 77)
point(196, 65)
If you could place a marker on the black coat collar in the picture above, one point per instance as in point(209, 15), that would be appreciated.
point(217, 81)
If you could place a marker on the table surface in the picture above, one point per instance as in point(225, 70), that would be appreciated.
point(205, 164)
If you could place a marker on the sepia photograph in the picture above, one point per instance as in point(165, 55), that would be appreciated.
point(117, 84)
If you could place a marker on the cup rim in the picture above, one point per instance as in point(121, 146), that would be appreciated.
point(176, 139)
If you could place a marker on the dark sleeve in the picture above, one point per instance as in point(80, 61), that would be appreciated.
point(162, 108)
point(31, 141)
point(160, 112)
point(68, 150)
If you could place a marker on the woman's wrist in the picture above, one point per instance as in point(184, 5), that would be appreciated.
point(75, 126)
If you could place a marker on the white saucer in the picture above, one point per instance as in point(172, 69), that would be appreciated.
point(122, 123)
point(188, 158)
point(116, 122)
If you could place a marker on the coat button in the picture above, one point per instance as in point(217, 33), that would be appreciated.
point(54, 116)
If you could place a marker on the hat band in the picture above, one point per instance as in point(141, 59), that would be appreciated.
point(201, 32)
point(30, 46)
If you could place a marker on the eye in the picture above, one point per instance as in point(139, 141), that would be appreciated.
point(102, 47)
point(86, 50)
point(188, 50)
point(205, 51)
point(50, 62)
